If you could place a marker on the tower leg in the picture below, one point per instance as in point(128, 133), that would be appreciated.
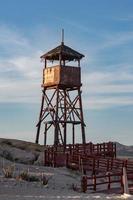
point(56, 132)
point(45, 135)
point(82, 119)
point(65, 115)
point(73, 134)
point(60, 111)
point(39, 123)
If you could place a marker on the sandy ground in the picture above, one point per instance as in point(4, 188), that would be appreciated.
point(60, 181)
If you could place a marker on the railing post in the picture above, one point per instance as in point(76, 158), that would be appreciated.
point(94, 182)
point(54, 159)
point(84, 184)
point(45, 154)
point(79, 163)
point(112, 162)
point(70, 149)
point(67, 159)
point(91, 150)
point(115, 149)
point(48, 157)
point(94, 170)
point(104, 150)
point(125, 181)
point(109, 178)
point(125, 163)
point(107, 165)
point(97, 149)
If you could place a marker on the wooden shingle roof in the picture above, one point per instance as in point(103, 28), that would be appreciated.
point(66, 53)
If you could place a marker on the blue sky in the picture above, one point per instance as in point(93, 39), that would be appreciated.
point(102, 30)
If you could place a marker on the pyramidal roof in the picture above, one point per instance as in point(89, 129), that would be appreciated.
point(64, 51)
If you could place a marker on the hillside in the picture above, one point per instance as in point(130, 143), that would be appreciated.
point(124, 150)
point(61, 183)
point(31, 153)
point(21, 151)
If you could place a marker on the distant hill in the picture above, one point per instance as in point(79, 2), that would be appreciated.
point(124, 150)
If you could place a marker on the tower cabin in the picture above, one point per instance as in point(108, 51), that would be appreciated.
point(63, 75)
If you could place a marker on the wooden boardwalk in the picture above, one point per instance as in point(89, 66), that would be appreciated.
point(57, 156)
point(96, 162)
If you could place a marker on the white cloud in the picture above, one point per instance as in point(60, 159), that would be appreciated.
point(98, 76)
point(22, 79)
point(104, 90)
point(98, 102)
point(20, 70)
point(112, 40)
point(127, 18)
point(13, 42)
point(29, 66)
point(118, 39)
point(21, 75)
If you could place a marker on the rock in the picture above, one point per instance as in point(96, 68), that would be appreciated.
point(40, 160)
point(17, 155)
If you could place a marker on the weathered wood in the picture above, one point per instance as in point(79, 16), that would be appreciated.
point(40, 117)
point(45, 135)
point(58, 75)
point(73, 135)
point(106, 180)
point(82, 118)
point(84, 184)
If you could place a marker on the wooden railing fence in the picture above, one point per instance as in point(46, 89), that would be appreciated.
point(91, 182)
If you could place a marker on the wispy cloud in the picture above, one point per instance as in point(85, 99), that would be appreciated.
point(127, 18)
point(103, 102)
point(103, 39)
point(106, 90)
point(21, 74)
point(118, 39)
point(97, 77)
point(13, 42)
point(20, 68)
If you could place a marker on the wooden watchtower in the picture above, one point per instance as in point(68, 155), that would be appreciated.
point(61, 105)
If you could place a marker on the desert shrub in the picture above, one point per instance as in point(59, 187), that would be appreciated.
point(33, 178)
point(8, 171)
point(6, 142)
point(75, 187)
point(22, 147)
point(7, 155)
point(25, 176)
point(44, 180)
point(37, 149)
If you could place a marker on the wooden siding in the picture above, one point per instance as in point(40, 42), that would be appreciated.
point(66, 76)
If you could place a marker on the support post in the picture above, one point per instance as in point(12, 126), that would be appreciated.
point(40, 116)
point(94, 182)
point(84, 184)
point(56, 138)
point(65, 115)
point(45, 63)
point(45, 135)
point(73, 135)
point(109, 179)
point(125, 181)
point(82, 119)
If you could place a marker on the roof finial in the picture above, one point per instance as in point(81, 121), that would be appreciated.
point(62, 35)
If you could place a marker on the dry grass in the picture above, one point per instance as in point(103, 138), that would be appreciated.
point(27, 177)
point(8, 171)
